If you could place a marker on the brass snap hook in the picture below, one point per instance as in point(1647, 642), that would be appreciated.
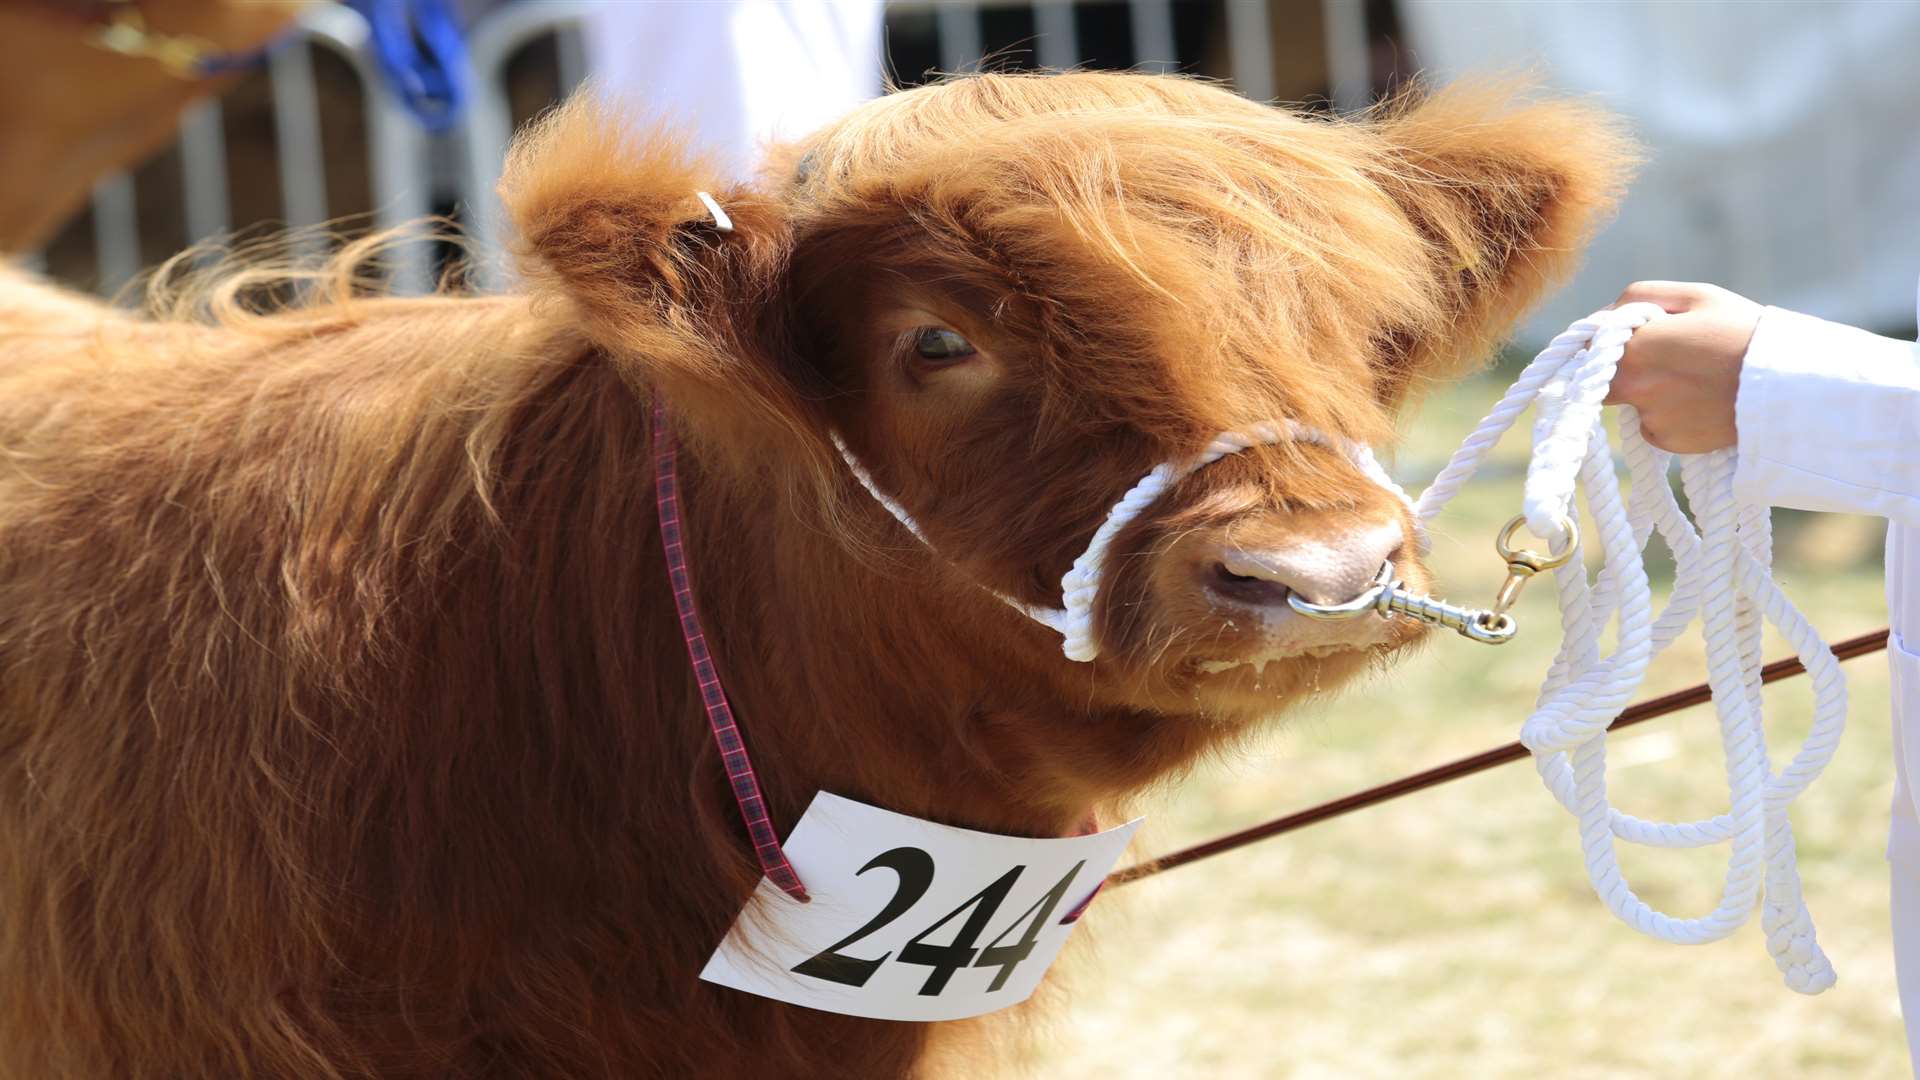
point(1523, 563)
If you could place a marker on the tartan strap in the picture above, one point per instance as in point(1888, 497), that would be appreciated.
point(726, 733)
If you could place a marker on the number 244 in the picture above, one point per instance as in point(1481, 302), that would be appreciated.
point(915, 870)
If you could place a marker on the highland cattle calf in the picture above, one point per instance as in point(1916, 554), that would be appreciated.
point(346, 728)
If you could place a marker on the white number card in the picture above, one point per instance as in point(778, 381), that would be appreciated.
point(910, 920)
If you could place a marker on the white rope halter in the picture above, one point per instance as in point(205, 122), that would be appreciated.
point(1080, 587)
point(1723, 572)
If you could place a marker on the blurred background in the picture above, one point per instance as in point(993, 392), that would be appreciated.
point(1448, 934)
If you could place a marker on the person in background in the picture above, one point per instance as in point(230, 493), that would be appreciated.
point(1822, 417)
point(734, 74)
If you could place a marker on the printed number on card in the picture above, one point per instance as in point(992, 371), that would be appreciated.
point(911, 920)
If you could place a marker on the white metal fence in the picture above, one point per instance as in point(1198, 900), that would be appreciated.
point(410, 171)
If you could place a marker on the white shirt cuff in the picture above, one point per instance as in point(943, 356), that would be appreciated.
point(1829, 419)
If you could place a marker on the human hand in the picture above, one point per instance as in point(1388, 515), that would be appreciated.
point(1683, 372)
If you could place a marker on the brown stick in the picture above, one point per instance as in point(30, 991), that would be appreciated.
point(1467, 766)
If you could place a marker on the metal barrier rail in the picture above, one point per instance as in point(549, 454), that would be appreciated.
point(401, 160)
point(397, 159)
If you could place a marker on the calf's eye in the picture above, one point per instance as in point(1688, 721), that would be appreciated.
point(938, 345)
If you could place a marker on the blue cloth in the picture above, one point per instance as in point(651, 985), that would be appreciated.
point(423, 56)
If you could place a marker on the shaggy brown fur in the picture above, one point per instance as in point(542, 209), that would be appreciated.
point(344, 725)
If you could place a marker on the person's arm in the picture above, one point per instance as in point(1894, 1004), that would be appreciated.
point(1824, 416)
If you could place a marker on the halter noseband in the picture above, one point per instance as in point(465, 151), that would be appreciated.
point(1080, 587)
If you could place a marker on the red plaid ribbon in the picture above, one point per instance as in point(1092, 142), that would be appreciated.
point(726, 733)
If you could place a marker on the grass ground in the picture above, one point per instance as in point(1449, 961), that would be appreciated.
point(1453, 933)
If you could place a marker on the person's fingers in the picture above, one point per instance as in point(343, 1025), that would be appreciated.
point(1628, 386)
point(1672, 296)
point(1654, 438)
point(1643, 361)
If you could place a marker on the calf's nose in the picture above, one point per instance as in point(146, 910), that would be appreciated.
point(1319, 571)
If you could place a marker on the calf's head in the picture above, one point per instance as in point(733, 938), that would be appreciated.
point(1012, 296)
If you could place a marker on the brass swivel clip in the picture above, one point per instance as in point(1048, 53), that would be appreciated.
point(1388, 597)
point(1523, 564)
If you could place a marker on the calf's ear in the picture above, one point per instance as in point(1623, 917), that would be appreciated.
point(611, 223)
point(1506, 191)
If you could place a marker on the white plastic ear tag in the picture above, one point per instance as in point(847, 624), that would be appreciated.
point(911, 920)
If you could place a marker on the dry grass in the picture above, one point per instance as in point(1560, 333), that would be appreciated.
point(1453, 933)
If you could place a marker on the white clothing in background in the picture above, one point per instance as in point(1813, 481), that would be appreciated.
point(1781, 157)
point(1905, 905)
point(1829, 419)
point(737, 73)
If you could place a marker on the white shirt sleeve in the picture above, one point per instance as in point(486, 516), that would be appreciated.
point(1829, 419)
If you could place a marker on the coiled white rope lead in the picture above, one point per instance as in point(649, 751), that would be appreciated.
point(1723, 574)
